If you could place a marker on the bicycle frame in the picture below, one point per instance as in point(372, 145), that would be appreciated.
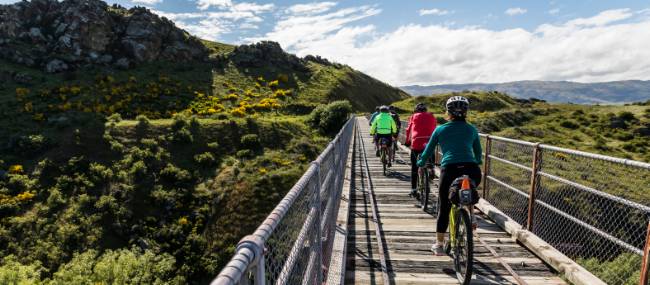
point(454, 214)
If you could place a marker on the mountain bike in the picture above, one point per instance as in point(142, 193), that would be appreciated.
point(461, 241)
point(384, 153)
point(424, 184)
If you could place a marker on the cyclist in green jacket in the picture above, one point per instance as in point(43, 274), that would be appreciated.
point(461, 155)
point(383, 126)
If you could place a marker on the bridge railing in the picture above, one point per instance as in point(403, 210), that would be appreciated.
point(294, 242)
point(592, 208)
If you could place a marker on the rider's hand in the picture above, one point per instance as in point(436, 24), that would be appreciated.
point(421, 163)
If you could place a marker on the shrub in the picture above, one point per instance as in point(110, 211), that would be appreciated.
point(13, 272)
point(214, 146)
point(569, 125)
point(251, 141)
point(174, 174)
point(244, 153)
point(328, 119)
point(627, 116)
point(29, 145)
point(143, 125)
point(183, 136)
point(121, 266)
point(205, 159)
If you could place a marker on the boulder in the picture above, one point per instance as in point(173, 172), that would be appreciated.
point(122, 63)
point(55, 66)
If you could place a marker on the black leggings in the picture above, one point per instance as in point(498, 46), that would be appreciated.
point(414, 167)
point(447, 176)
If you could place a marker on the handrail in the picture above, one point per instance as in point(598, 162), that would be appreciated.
point(253, 256)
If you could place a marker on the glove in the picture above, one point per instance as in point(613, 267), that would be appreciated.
point(421, 163)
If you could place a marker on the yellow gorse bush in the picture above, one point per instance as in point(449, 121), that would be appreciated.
point(16, 169)
point(25, 196)
point(183, 221)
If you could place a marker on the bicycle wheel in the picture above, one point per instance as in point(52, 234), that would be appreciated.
point(426, 188)
point(384, 159)
point(464, 247)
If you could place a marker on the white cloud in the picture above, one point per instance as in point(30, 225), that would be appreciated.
point(434, 11)
point(554, 11)
point(147, 2)
point(211, 25)
point(604, 18)
point(205, 4)
point(298, 31)
point(515, 11)
point(585, 50)
point(311, 8)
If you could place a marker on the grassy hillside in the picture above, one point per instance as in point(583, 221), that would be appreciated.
point(155, 172)
point(621, 131)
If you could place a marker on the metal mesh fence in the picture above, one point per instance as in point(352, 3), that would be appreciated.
point(590, 207)
point(294, 242)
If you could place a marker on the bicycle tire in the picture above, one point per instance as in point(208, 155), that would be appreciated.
point(383, 159)
point(464, 248)
point(426, 188)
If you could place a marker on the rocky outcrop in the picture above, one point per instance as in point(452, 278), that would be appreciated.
point(266, 53)
point(58, 36)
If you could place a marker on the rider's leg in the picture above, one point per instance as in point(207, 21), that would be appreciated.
point(414, 169)
point(447, 176)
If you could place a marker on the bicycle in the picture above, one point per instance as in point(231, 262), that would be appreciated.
point(461, 241)
point(423, 184)
point(383, 153)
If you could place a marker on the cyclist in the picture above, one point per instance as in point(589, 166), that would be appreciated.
point(461, 155)
point(419, 130)
point(384, 127)
point(373, 116)
point(398, 123)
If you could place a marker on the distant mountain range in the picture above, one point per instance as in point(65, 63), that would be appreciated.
point(616, 92)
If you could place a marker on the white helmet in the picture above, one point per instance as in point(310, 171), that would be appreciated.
point(457, 106)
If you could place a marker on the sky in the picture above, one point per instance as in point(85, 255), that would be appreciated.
point(438, 41)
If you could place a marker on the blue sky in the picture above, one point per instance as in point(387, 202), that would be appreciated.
point(438, 41)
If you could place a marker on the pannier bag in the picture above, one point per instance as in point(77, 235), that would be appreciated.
point(463, 191)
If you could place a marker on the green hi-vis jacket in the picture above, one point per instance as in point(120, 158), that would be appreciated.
point(383, 124)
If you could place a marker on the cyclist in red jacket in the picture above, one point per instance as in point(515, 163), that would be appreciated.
point(421, 126)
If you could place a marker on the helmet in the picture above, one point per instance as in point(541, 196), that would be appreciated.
point(391, 108)
point(383, 109)
point(420, 107)
point(377, 108)
point(458, 106)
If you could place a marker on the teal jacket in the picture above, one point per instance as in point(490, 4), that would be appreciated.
point(459, 143)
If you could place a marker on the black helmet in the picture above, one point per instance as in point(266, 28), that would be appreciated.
point(383, 109)
point(458, 106)
point(420, 107)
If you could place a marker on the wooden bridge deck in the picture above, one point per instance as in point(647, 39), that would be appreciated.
point(408, 233)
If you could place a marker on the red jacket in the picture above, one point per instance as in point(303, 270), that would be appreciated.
point(419, 130)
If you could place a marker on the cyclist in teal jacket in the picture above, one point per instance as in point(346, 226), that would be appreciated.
point(461, 155)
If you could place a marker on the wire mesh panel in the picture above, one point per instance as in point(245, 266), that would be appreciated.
point(510, 169)
point(593, 210)
point(288, 247)
point(294, 241)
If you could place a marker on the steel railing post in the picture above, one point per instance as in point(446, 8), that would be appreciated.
point(319, 235)
point(645, 264)
point(534, 182)
point(486, 166)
